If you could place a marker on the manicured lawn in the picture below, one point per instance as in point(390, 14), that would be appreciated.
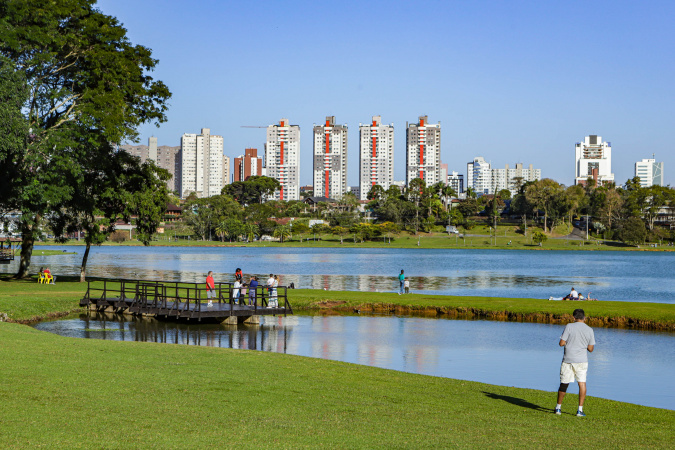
point(488, 307)
point(26, 299)
point(76, 393)
point(477, 238)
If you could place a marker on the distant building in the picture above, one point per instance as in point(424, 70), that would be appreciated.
point(201, 164)
point(164, 156)
point(456, 181)
point(479, 176)
point(650, 172)
point(423, 151)
point(356, 191)
point(484, 180)
point(282, 153)
point(444, 173)
point(330, 159)
point(248, 164)
point(226, 170)
point(376, 150)
point(593, 160)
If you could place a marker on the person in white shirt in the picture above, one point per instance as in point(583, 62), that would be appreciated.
point(236, 290)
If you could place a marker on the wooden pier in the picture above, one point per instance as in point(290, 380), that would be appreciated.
point(6, 252)
point(185, 301)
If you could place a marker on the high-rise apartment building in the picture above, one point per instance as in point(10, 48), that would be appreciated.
point(164, 156)
point(248, 164)
point(330, 159)
point(456, 181)
point(282, 153)
point(479, 176)
point(423, 151)
point(376, 150)
point(650, 172)
point(226, 170)
point(201, 164)
point(593, 160)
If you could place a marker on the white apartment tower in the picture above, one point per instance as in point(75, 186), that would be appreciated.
point(330, 159)
point(423, 155)
point(479, 176)
point(376, 149)
point(650, 172)
point(201, 158)
point(282, 152)
point(593, 160)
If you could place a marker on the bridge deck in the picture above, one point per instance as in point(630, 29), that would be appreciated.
point(183, 301)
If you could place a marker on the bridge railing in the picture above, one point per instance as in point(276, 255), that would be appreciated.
point(180, 296)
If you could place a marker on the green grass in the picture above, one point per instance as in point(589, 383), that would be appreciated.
point(26, 299)
point(42, 252)
point(77, 393)
point(609, 312)
point(507, 238)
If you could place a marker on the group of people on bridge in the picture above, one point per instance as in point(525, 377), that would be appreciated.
point(240, 287)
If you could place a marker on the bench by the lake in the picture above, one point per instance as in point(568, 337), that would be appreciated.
point(184, 301)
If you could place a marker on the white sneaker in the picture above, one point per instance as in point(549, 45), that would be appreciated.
point(210, 304)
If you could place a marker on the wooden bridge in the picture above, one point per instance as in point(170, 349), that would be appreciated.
point(185, 301)
point(6, 252)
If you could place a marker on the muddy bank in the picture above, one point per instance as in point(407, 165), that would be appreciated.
point(328, 307)
point(36, 319)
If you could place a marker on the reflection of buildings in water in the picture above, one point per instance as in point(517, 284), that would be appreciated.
point(330, 341)
point(375, 340)
point(420, 359)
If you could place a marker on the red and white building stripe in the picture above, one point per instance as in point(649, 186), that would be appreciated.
point(423, 156)
point(377, 156)
point(330, 159)
point(282, 152)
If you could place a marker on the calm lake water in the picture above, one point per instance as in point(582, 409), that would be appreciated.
point(630, 366)
point(609, 275)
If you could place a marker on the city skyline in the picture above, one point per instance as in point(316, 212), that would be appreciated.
point(511, 82)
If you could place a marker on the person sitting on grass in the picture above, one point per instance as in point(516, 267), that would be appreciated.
point(573, 295)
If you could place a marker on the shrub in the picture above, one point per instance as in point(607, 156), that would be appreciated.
point(119, 236)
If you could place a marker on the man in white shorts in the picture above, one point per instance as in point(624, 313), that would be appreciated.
point(578, 339)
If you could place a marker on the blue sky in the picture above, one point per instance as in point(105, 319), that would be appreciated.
point(512, 81)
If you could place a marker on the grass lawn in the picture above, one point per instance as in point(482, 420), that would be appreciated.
point(478, 238)
point(26, 299)
point(76, 393)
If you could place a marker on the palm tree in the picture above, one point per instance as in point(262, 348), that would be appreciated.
point(282, 232)
point(250, 229)
point(221, 230)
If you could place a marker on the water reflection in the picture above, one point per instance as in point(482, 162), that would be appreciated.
point(512, 354)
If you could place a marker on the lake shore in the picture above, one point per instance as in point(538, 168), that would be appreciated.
point(422, 240)
point(25, 301)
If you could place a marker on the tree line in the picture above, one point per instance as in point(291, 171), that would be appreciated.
point(72, 88)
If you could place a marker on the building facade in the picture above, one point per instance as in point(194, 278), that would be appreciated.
point(593, 160)
point(650, 172)
point(330, 159)
point(479, 176)
point(282, 154)
point(456, 181)
point(423, 151)
point(376, 151)
point(164, 156)
point(201, 164)
point(227, 178)
point(248, 164)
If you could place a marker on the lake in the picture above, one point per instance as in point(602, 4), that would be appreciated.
point(627, 365)
point(608, 275)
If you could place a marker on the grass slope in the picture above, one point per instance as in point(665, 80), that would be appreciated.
point(76, 393)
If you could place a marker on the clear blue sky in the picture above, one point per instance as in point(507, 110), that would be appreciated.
point(512, 81)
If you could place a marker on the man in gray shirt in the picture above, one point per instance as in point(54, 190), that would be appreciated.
point(578, 339)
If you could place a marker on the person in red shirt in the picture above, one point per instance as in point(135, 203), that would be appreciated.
point(210, 288)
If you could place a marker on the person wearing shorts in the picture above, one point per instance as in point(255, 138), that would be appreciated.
point(578, 340)
point(210, 288)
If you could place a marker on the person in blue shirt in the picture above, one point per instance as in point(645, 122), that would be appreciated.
point(401, 279)
point(252, 285)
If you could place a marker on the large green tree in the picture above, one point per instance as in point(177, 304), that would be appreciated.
point(82, 75)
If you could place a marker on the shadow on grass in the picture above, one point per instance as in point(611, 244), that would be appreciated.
point(516, 401)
